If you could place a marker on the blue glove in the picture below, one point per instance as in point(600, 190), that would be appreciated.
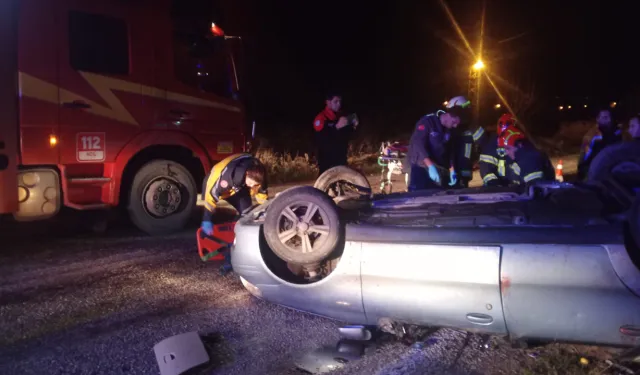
point(433, 174)
point(453, 178)
point(207, 228)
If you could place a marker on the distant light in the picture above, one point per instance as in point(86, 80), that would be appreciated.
point(216, 30)
point(561, 108)
point(445, 103)
point(585, 106)
point(613, 104)
point(478, 65)
point(498, 106)
point(53, 140)
point(569, 107)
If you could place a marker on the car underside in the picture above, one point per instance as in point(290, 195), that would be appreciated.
point(554, 261)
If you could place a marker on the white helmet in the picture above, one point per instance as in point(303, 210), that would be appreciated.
point(458, 101)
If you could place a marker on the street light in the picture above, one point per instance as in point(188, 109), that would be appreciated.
point(479, 65)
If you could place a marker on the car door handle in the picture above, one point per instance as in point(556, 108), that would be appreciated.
point(482, 319)
point(179, 112)
point(76, 104)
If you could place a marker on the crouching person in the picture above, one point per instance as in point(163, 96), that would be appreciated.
point(236, 180)
point(528, 164)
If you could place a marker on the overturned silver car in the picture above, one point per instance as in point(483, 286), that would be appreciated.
point(557, 262)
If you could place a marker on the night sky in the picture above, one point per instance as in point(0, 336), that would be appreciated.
point(395, 61)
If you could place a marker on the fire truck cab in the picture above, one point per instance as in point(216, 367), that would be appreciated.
point(114, 102)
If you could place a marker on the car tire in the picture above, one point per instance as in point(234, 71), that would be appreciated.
point(326, 182)
point(614, 161)
point(634, 222)
point(289, 247)
point(176, 201)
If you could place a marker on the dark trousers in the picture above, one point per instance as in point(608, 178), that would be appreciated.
point(241, 200)
point(419, 179)
point(329, 159)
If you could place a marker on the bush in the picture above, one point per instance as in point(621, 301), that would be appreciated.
point(286, 168)
point(283, 168)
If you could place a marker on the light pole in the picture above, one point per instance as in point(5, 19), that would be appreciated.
point(475, 75)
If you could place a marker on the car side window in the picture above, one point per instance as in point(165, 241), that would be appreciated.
point(98, 43)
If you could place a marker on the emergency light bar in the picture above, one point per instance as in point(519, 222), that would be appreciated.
point(216, 30)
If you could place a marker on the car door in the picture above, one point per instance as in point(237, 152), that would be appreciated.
point(428, 284)
point(104, 61)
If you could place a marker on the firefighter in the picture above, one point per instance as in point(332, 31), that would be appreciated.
point(606, 133)
point(526, 164)
point(429, 157)
point(634, 127)
point(236, 179)
point(464, 145)
point(493, 164)
point(332, 133)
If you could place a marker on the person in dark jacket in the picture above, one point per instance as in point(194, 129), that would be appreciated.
point(634, 127)
point(493, 163)
point(429, 156)
point(605, 134)
point(464, 147)
point(527, 164)
point(333, 132)
point(236, 179)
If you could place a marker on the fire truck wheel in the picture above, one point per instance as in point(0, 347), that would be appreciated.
point(162, 197)
point(342, 182)
point(620, 162)
point(302, 226)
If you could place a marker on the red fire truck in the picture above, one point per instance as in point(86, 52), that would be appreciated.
point(112, 103)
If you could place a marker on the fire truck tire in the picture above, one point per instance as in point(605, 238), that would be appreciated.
point(330, 180)
point(162, 197)
point(620, 162)
point(295, 237)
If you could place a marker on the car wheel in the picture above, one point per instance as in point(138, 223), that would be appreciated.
point(634, 222)
point(620, 162)
point(162, 197)
point(302, 226)
point(342, 182)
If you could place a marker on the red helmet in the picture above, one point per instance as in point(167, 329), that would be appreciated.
point(510, 136)
point(505, 121)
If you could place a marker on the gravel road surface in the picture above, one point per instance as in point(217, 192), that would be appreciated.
point(77, 303)
point(98, 304)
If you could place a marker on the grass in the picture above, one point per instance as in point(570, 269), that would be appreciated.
point(285, 168)
point(559, 359)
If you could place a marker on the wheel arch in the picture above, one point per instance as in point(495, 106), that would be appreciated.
point(149, 146)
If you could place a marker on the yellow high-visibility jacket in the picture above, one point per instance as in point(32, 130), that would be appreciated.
point(228, 177)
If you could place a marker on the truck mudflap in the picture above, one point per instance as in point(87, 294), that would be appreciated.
point(212, 247)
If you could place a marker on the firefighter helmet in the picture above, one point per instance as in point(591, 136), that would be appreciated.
point(510, 136)
point(506, 120)
point(458, 101)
